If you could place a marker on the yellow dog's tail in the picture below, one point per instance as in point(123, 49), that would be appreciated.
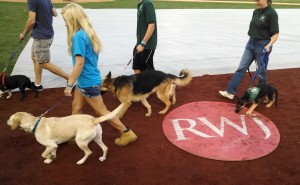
point(185, 77)
point(109, 116)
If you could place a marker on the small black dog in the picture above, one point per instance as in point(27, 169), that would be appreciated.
point(9, 83)
point(254, 95)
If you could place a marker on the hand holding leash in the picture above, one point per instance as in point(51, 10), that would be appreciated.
point(68, 90)
point(22, 36)
point(267, 49)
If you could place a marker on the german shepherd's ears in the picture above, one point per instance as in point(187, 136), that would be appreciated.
point(108, 76)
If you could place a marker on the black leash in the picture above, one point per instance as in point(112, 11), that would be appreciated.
point(133, 56)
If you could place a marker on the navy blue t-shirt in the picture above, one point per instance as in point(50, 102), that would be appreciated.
point(43, 28)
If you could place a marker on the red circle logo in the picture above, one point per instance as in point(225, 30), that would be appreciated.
point(213, 130)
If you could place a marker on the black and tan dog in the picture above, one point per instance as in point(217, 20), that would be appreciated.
point(9, 83)
point(254, 95)
point(135, 88)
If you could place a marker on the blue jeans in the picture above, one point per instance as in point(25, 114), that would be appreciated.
point(253, 51)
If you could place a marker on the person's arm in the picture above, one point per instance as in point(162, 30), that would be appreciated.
point(77, 69)
point(150, 30)
point(272, 41)
point(29, 24)
point(54, 12)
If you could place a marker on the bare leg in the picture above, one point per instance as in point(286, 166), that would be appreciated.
point(78, 102)
point(55, 70)
point(37, 71)
point(99, 107)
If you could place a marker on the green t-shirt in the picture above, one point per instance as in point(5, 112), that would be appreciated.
point(145, 16)
point(264, 23)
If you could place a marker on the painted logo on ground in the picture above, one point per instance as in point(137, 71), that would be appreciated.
point(213, 130)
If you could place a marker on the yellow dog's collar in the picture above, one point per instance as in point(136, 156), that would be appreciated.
point(37, 121)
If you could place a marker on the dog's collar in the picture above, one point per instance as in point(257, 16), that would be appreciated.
point(37, 121)
point(3, 81)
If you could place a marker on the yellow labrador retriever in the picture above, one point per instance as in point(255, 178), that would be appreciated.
point(52, 131)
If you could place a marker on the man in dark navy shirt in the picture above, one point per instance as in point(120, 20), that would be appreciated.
point(40, 19)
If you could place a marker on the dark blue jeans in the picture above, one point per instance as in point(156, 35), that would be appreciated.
point(253, 51)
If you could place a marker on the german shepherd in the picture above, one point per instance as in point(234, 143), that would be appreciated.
point(138, 87)
point(254, 95)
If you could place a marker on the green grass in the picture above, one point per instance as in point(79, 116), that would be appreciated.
point(14, 15)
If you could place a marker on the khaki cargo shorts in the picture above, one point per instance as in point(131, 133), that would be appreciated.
point(41, 50)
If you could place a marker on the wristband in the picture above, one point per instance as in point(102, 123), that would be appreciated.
point(69, 86)
point(143, 43)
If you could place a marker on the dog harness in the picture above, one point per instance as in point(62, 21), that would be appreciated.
point(253, 92)
point(36, 124)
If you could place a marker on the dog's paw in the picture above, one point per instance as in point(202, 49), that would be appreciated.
point(148, 114)
point(162, 112)
point(251, 115)
point(48, 161)
point(102, 158)
point(80, 162)
point(7, 97)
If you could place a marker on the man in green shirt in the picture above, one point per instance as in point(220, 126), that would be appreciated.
point(146, 34)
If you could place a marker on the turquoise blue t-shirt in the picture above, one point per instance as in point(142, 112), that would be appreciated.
point(90, 75)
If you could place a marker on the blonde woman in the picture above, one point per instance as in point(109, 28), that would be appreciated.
point(84, 47)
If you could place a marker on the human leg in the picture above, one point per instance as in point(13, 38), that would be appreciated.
point(42, 54)
point(37, 68)
point(55, 70)
point(78, 102)
point(93, 98)
point(143, 61)
point(237, 77)
point(149, 59)
point(127, 135)
point(245, 62)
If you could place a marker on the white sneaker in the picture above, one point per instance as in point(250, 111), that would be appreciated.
point(226, 94)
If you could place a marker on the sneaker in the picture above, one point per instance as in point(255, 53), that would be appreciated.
point(126, 138)
point(38, 88)
point(226, 94)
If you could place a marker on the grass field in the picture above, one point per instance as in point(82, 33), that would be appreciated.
point(14, 15)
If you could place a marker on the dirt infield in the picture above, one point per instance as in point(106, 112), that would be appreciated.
point(152, 159)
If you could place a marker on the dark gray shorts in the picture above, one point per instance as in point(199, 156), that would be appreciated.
point(41, 50)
